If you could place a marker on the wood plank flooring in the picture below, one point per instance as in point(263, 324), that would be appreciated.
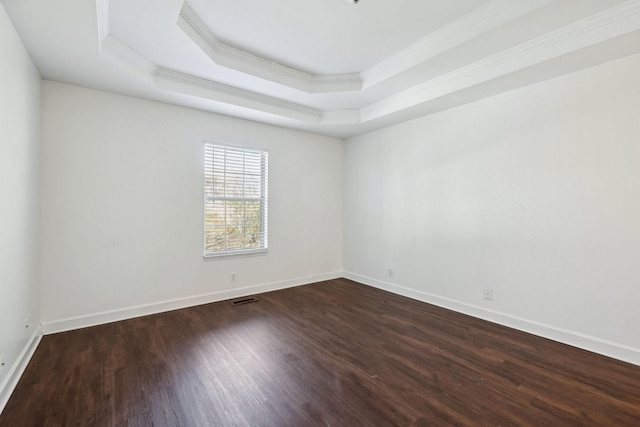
point(335, 353)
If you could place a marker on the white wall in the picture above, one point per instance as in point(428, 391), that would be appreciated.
point(19, 204)
point(534, 193)
point(122, 207)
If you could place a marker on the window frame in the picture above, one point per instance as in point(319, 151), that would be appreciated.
point(209, 165)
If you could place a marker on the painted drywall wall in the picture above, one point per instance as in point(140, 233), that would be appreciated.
point(534, 193)
point(123, 208)
point(19, 204)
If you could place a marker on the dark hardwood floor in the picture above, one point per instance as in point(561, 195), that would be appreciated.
point(335, 353)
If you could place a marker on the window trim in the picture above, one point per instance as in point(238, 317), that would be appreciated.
point(233, 253)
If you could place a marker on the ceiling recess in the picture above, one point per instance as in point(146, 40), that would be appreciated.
point(279, 64)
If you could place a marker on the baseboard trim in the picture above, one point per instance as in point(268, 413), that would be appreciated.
point(94, 319)
point(17, 369)
point(575, 339)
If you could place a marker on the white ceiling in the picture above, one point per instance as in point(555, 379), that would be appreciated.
point(327, 36)
point(324, 66)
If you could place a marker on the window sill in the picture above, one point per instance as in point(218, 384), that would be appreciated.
point(234, 254)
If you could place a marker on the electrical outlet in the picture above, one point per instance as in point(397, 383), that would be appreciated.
point(391, 272)
point(233, 277)
point(487, 293)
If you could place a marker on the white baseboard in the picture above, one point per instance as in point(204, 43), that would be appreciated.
point(17, 369)
point(575, 339)
point(93, 319)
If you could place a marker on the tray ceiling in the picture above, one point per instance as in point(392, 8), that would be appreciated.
point(325, 66)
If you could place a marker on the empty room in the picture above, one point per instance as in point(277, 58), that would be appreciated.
point(319, 213)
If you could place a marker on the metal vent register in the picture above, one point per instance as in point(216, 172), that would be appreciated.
point(245, 300)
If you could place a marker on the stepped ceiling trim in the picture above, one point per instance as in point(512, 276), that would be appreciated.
point(616, 21)
point(598, 28)
point(465, 28)
point(239, 60)
point(191, 85)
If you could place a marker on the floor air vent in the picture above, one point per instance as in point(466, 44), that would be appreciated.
point(245, 300)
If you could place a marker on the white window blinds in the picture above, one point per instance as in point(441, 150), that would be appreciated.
point(235, 200)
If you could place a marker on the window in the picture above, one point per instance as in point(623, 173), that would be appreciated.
point(235, 200)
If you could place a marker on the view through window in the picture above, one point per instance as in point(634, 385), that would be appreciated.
point(235, 200)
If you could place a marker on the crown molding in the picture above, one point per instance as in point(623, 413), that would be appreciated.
point(162, 78)
point(462, 30)
point(611, 23)
point(466, 28)
point(119, 53)
point(102, 15)
point(601, 27)
point(341, 117)
point(239, 60)
point(195, 86)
